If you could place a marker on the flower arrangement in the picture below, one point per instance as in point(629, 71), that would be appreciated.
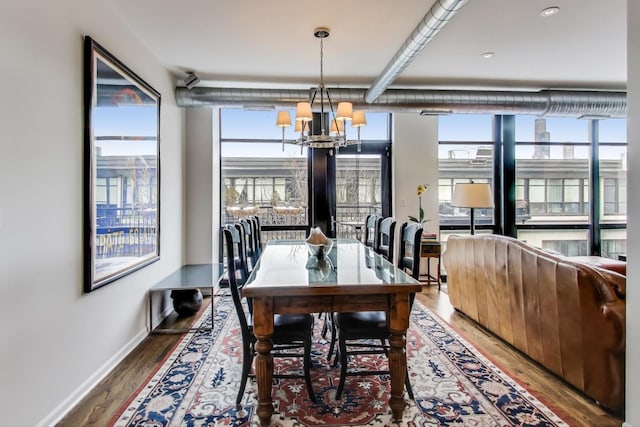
point(419, 192)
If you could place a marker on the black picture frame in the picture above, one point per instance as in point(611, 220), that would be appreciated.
point(121, 169)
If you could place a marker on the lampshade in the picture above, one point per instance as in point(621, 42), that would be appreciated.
point(345, 111)
point(298, 127)
point(284, 119)
point(303, 112)
point(359, 119)
point(336, 127)
point(472, 195)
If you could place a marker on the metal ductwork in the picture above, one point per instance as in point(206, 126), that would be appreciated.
point(561, 103)
point(435, 19)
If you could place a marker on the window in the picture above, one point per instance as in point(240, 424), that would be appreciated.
point(262, 176)
point(552, 177)
point(465, 153)
point(552, 169)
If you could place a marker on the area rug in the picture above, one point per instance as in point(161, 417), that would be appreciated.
point(452, 382)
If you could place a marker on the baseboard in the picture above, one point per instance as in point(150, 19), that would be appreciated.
point(74, 398)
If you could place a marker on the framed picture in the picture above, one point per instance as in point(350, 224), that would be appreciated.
point(121, 169)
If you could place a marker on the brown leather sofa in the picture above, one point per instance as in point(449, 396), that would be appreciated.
point(565, 314)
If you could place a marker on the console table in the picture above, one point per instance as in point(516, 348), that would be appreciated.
point(191, 276)
point(431, 248)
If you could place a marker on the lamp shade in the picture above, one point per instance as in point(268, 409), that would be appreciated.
point(336, 127)
point(359, 119)
point(345, 111)
point(284, 119)
point(472, 195)
point(303, 112)
point(298, 127)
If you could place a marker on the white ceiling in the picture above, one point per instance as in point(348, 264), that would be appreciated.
point(270, 43)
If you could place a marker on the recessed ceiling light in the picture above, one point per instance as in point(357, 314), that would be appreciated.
point(487, 55)
point(549, 11)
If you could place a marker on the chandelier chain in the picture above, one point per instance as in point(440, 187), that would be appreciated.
point(321, 63)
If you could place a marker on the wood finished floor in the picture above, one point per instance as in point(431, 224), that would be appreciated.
point(103, 403)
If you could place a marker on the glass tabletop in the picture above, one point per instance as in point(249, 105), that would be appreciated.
point(288, 264)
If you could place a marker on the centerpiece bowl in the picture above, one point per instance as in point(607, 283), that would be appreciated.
point(319, 250)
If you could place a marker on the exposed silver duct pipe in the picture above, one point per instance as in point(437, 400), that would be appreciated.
point(559, 103)
point(435, 19)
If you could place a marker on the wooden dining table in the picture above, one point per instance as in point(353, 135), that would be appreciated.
point(352, 277)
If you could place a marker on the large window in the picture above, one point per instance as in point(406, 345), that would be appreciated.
point(553, 190)
point(262, 176)
point(465, 153)
point(358, 191)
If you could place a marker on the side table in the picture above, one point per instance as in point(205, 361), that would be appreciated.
point(430, 248)
point(191, 276)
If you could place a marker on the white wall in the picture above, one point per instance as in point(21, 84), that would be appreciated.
point(56, 340)
point(633, 230)
point(199, 186)
point(415, 161)
point(415, 157)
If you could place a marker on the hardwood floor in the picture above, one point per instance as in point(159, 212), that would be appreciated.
point(100, 406)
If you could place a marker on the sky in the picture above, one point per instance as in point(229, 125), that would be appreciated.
point(241, 124)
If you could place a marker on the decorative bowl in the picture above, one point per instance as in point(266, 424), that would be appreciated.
point(319, 251)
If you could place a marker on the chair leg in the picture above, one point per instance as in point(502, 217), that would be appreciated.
point(333, 341)
point(325, 325)
point(407, 384)
point(307, 367)
point(247, 358)
point(343, 367)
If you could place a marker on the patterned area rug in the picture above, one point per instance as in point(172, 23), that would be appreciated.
point(452, 382)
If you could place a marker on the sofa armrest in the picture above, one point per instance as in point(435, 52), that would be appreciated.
point(616, 281)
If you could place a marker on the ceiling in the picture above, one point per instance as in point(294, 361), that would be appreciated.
point(257, 43)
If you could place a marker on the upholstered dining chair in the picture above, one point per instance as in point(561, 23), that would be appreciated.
point(371, 225)
point(248, 237)
point(290, 331)
point(385, 240)
point(257, 234)
point(409, 250)
point(239, 256)
point(363, 333)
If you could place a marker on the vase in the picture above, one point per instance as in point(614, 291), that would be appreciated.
point(186, 302)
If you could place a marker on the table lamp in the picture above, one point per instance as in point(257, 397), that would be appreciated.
point(472, 195)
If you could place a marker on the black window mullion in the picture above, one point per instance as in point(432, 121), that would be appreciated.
point(594, 187)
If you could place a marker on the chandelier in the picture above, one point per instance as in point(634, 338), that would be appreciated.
point(333, 136)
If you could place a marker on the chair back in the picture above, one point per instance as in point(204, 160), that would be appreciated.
point(239, 254)
point(257, 234)
point(249, 242)
point(410, 247)
point(386, 238)
point(371, 227)
point(234, 247)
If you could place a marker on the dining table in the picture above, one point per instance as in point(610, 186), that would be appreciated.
point(350, 277)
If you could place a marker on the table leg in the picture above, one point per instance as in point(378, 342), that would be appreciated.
point(398, 369)
point(263, 330)
point(398, 324)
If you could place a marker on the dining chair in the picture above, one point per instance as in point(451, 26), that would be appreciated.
point(248, 238)
point(409, 250)
point(385, 239)
point(290, 331)
point(257, 234)
point(367, 333)
point(239, 257)
point(371, 226)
